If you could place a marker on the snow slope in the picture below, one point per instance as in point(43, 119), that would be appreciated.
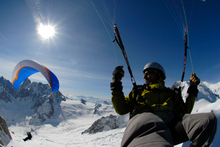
point(76, 117)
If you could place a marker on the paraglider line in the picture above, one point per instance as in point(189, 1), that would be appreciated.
point(189, 53)
point(185, 54)
point(175, 13)
point(178, 18)
point(87, 11)
point(191, 60)
point(185, 16)
point(108, 11)
point(94, 6)
point(105, 28)
point(196, 17)
point(191, 12)
point(179, 12)
point(114, 12)
point(101, 20)
point(108, 17)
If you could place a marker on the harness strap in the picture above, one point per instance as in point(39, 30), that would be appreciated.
point(138, 89)
point(179, 99)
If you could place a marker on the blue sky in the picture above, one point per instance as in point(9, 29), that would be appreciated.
point(81, 52)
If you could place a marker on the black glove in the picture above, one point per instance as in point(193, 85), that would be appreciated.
point(117, 75)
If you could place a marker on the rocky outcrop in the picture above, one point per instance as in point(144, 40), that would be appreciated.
point(5, 135)
point(103, 124)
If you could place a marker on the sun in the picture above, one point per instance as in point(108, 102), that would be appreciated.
point(46, 31)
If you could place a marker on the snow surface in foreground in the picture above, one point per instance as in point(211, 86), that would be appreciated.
point(68, 132)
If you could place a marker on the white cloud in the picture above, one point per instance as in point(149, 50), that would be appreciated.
point(35, 7)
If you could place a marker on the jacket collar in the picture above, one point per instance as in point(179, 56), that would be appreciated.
point(160, 84)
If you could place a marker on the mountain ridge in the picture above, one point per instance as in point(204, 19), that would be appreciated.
point(29, 100)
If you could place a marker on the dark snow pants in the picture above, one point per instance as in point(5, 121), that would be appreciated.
point(147, 129)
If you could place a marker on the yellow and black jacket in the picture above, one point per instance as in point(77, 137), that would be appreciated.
point(156, 99)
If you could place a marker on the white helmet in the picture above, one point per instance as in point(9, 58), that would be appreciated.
point(157, 66)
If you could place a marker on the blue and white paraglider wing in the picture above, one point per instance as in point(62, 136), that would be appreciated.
point(26, 68)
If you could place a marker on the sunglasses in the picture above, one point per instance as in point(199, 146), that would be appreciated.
point(150, 72)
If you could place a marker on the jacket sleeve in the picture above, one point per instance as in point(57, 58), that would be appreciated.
point(120, 104)
point(189, 104)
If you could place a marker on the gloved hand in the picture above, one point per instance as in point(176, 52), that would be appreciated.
point(117, 75)
point(194, 81)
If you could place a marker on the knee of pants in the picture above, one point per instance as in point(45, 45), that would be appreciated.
point(144, 118)
point(209, 129)
point(141, 126)
point(211, 120)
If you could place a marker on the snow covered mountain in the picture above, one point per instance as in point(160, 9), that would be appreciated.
point(107, 123)
point(206, 92)
point(33, 101)
point(215, 88)
point(55, 120)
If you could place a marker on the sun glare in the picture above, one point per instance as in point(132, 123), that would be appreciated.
point(46, 31)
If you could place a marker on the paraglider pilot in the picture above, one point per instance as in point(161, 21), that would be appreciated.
point(159, 116)
point(29, 136)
